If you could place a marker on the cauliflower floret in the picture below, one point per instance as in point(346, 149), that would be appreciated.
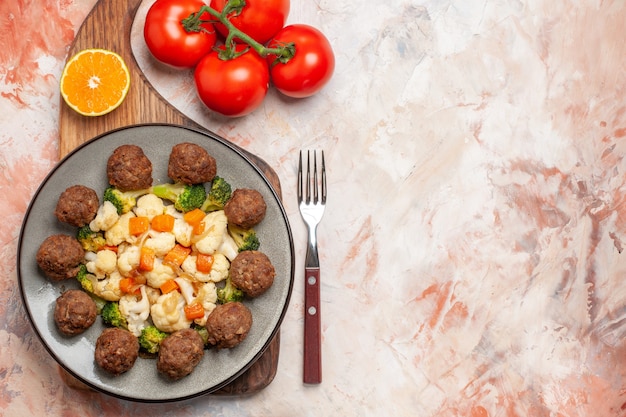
point(207, 296)
point(182, 230)
point(128, 260)
point(219, 270)
point(215, 224)
point(101, 263)
point(109, 287)
point(153, 294)
point(149, 205)
point(159, 274)
point(119, 232)
point(160, 242)
point(229, 247)
point(105, 218)
point(168, 313)
point(186, 290)
point(136, 311)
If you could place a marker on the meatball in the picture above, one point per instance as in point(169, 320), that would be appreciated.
point(60, 256)
point(246, 208)
point(252, 272)
point(179, 353)
point(116, 350)
point(228, 324)
point(191, 164)
point(74, 312)
point(128, 168)
point(77, 205)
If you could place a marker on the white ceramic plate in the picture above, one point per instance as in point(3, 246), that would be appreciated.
point(87, 166)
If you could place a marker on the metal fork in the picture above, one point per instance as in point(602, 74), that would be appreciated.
point(312, 203)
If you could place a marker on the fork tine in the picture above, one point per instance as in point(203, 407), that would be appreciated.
point(300, 185)
point(315, 187)
point(323, 180)
point(308, 177)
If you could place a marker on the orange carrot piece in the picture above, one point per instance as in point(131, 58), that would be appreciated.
point(146, 258)
point(138, 225)
point(111, 248)
point(204, 263)
point(163, 222)
point(129, 286)
point(194, 216)
point(198, 229)
point(177, 255)
point(168, 286)
point(194, 311)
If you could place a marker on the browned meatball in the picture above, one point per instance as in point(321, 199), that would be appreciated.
point(191, 164)
point(116, 350)
point(246, 208)
point(228, 324)
point(77, 205)
point(179, 353)
point(74, 312)
point(128, 168)
point(60, 256)
point(252, 272)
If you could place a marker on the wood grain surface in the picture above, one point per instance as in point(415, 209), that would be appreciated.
point(108, 26)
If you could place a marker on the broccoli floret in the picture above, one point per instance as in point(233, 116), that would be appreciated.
point(218, 195)
point(83, 278)
point(246, 239)
point(229, 293)
point(90, 241)
point(150, 339)
point(112, 316)
point(203, 332)
point(123, 201)
point(185, 197)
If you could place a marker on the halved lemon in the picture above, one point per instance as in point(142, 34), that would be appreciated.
point(95, 82)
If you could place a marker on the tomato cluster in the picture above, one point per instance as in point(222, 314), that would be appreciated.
point(236, 48)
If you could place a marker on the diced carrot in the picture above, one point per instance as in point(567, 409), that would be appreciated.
point(138, 225)
point(198, 229)
point(129, 286)
point(146, 258)
point(194, 216)
point(168, 286)
point(177, 255)
point(163, 222)
point(109, 247)
point(194, 311)
point(204, 263)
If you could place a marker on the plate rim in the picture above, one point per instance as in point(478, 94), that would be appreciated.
point(241, 153)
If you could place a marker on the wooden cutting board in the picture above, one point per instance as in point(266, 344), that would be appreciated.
point(108, 26)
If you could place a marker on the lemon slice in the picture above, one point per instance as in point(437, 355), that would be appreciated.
point(95, 82)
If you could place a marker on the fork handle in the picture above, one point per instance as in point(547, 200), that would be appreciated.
point(312, 327)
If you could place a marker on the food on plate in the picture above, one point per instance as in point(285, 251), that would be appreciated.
point(60, 256)
point(116, 350)
point(128, 168)
point(156, 262)
point(190, 163)
point(228, 325)
point(179, 353)
point(252, 272)
point(310, 68)
point(95, 82)
point(77, 205)
point(246, 208)
point(74, 312)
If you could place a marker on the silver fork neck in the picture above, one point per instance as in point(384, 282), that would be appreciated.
point(312, 259)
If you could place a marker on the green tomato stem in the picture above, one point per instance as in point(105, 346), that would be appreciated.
point(193, 23)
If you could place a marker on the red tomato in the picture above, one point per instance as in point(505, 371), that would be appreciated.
point(233, 87)
point(167, 39)
point(310, 68)
point(259, 19)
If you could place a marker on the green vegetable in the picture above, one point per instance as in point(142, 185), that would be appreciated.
point(229, 293)
point(123, 201)
point(246, 239)
point(150, 339)
point(218, 195)
point(185, 197)
point(84, 278)
point(90, 241)
point(203, 332)
point(112, 316)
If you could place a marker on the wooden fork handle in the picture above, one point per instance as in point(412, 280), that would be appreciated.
point(312, 327)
